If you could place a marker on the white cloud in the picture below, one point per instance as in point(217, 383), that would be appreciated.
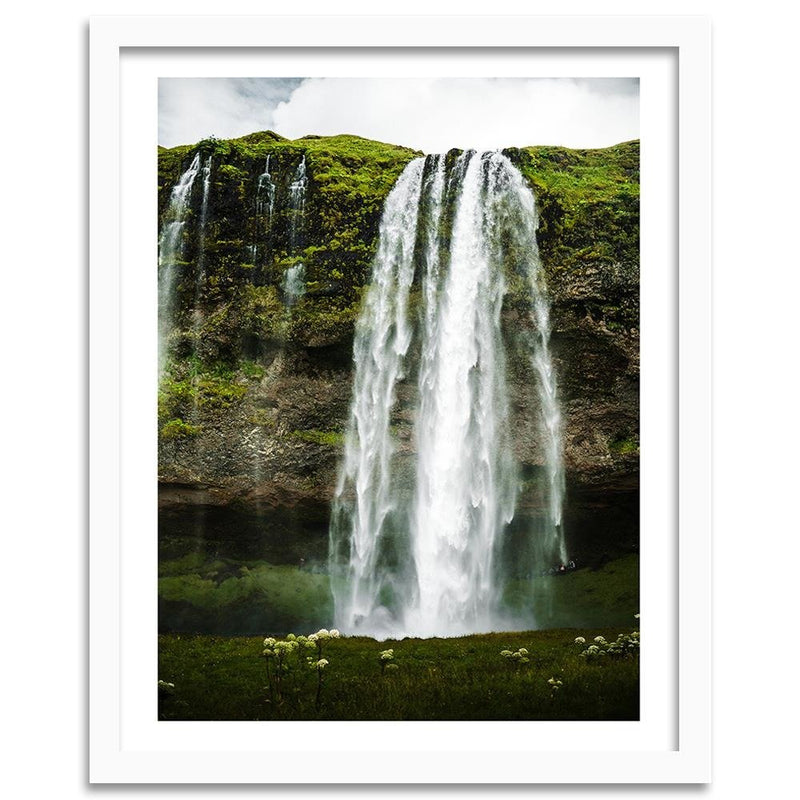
point(432, 115)
point(436, 114)
point(190, 109)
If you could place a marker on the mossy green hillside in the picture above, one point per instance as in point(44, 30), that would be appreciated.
point(588, 206)
point(348, 180)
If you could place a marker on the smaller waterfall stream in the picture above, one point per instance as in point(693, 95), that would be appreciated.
point(265, 207)
point(297, 204)
point(170, 249)
point(293, 285)
point(201, 231)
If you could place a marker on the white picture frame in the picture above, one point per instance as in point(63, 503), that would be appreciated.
point(127, 743)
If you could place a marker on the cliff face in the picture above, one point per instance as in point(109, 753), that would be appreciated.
point(257, 380)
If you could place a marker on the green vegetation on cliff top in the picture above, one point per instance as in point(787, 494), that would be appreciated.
point(588, 202)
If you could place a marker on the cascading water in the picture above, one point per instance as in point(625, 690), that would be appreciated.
point(415, 539)
point(170, 248)
point(297, 204)
point(293, 285)
point(367, 509)
point(265, 206)
point(201, 236)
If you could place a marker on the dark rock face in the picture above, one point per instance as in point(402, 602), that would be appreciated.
point(254, 405)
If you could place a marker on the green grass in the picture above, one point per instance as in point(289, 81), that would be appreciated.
point(463, 678)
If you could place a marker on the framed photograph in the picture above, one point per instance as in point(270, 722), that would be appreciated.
point(399, 390)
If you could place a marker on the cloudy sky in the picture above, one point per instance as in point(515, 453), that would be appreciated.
point(428, 114)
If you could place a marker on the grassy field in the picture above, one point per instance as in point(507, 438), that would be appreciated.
point(226, 678)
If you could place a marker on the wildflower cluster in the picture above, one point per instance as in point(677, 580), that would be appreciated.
point(517, 657)
point(165, 688)
point(555, 684)
point(386, 657)
point(626, 645)
point(278, 653)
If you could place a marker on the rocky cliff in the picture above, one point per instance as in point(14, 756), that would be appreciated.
point(256, 385)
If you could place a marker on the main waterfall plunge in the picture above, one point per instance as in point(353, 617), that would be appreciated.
point(415, 540)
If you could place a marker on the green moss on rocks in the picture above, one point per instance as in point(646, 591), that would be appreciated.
point(623, 445)
point(329, 438)
point(178, 429)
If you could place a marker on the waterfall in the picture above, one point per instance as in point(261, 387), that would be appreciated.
point(293, 285)
point(366, 506)
point(201, 235)
point(204, 203)
point(466, 482)
point(265, 206)
point(415, 536)
point(297, 204)
point(170, 248)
